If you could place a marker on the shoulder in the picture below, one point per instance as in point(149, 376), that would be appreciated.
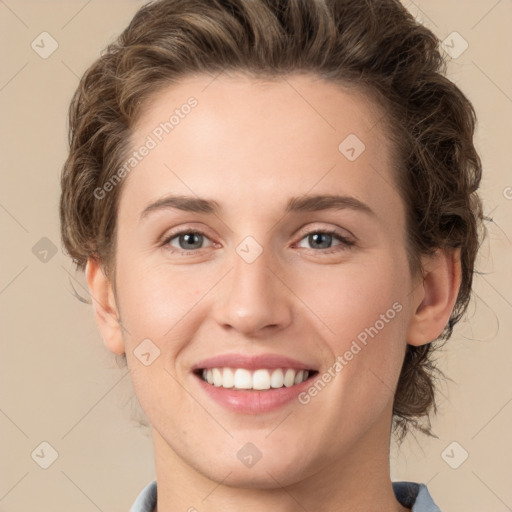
point(415, 496)
point(146, 500)
point(409, 494)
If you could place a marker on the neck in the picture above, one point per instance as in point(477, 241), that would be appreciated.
point(357, 481)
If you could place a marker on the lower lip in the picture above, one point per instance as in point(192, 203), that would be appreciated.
point(252, 401)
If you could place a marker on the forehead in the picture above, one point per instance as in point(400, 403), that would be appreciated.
point(251, 138)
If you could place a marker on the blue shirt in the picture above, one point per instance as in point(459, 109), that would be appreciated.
point(409, 494)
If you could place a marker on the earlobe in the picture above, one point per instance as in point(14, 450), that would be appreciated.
point(435, 297)
point(105, 308)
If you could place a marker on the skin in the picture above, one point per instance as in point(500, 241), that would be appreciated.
point(250, 145)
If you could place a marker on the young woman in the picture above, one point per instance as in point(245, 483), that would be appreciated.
point(275, 205)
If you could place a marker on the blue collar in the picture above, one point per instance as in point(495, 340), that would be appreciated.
point(409, 494)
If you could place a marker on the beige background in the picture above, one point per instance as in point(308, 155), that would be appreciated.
point(60, 385)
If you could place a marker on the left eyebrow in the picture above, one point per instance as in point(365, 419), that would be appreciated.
point(294, 205)
point(327, 202)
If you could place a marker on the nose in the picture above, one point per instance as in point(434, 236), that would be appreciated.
point(255, 300)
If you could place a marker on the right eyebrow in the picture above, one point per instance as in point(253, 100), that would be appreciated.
point(185, 203)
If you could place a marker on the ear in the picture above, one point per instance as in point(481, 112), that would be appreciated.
point(435, 296)
point(105, 309)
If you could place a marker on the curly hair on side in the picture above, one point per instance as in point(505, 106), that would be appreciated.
point(374, 46)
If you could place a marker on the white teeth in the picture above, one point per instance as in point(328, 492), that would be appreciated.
point(228, 378)
point(217, 377)
point(277, 379)
point(261, 379)
point(299, 377)
point(289, 378)
point(241, 378)
point(209, 376)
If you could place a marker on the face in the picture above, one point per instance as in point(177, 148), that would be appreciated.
point(261, 246)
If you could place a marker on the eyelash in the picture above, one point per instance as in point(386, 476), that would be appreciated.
point(343, 246)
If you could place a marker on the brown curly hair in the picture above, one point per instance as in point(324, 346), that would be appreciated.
point(375, 46)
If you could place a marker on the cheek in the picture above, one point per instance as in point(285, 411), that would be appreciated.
point(158, 304)
point(351, 298)
point(155, 299)
point(363, 310)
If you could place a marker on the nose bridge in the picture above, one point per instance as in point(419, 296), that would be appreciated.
point(254, 298)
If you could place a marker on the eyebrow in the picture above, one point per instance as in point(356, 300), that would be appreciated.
point(299, 204)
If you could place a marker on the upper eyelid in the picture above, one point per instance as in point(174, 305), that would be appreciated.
point(302, 234)
point(302, 229)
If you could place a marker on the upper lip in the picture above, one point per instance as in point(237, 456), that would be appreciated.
point(267, 361)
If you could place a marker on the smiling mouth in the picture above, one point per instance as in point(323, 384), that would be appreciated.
point(256, 380)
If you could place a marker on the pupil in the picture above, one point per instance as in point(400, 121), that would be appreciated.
point(189, 240)
point(318, 236)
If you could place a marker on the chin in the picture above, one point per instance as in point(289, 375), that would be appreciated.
point(269, 472)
